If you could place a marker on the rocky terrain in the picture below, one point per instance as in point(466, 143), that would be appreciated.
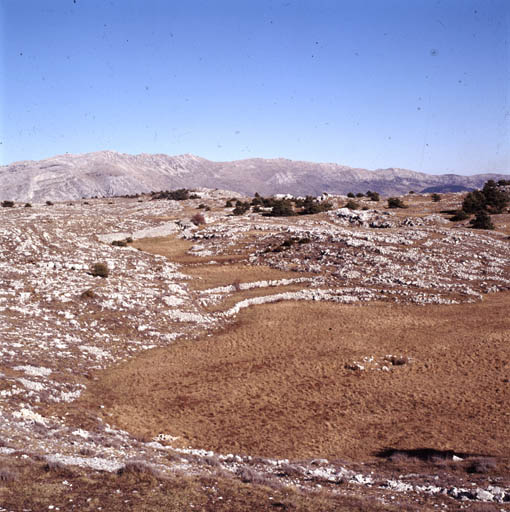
point(64, 326)
point(108, 173)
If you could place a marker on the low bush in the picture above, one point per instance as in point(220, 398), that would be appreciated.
point(282, 208)
point(459, 215)
point(212, 460)
point(28, 205)
point(198, 219)
point(311, 206)
point(241, 208)
point(248, 476)
point(352, 205)
point(138, 468)
point(396, 202)
point(482, 220)
point(180, 194)
point(7, 204)
point(100, 270)
point(435, 198)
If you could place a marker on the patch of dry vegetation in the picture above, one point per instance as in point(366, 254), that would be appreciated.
point(35, 488)
point(176, 250)
point(211, 276)
point(277, 384)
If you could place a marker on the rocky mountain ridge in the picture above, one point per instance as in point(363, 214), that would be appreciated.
point(108, 173)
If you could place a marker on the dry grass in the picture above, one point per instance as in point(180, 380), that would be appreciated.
point(226, 271)
point(175, 249)
point(212, 276)
point(275, 383)
point(35, 489)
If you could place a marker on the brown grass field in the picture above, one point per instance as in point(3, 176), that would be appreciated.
point(276, 383)
point(224, 272)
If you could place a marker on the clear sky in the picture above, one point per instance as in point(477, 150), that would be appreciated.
point(419, 84)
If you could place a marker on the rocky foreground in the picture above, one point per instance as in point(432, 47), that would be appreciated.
point(60, 324)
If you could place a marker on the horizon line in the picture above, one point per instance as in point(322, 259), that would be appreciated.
point(506, 173)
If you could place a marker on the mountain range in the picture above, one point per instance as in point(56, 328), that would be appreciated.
point(108, 173)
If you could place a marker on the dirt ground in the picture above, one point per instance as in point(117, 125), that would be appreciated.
point(285, 381)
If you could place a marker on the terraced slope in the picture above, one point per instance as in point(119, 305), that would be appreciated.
point(172, 330)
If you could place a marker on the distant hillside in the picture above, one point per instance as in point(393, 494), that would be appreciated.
point(108, 173)
point(444, 189)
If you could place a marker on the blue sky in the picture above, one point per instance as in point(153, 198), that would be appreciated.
point(419, 84)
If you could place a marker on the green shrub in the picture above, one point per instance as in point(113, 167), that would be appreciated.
point(474, 202)
point(482, 220)
point(435, 198)
point(241, 208)
point(352, 205)
point(282, 208)
point(7, 204)
point(310, 206)
point(180, 194)
point(395, 202)
point(351, 194)
point(493, 198)
point(459, 215)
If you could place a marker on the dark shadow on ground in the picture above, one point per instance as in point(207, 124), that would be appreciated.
point(424, 454)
